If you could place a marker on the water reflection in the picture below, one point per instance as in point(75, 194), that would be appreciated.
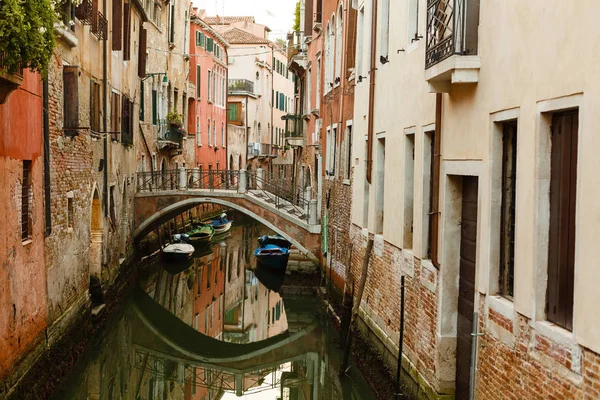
point(210, 329)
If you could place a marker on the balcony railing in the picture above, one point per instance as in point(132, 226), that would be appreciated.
point(241, 86)
point(261, 150)
point(85, 12)
point(293, 125)
point(451, 29)
point(100, 26)
point(170, 133)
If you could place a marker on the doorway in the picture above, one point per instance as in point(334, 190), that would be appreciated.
point(466, 285)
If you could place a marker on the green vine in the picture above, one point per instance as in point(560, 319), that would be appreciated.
point(26, 34)
point(296, 27)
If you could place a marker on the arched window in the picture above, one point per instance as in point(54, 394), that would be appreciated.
point(328, 58)
point(338, 43)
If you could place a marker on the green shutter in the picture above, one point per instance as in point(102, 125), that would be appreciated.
point(154, 117)
point(209, 45)
point(233, 112)
point(202, 40)
point(142, 102)
point(281, 101)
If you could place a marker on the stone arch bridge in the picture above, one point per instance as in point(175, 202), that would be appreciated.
point(163, 195)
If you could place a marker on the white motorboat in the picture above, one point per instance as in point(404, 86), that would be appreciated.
point(178, 251)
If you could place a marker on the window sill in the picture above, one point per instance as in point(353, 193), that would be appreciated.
point(27, 242)
point(346, 182)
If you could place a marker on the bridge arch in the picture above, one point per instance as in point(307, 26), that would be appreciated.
point(176, 208)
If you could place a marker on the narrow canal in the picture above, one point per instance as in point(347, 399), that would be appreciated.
point(215, 327)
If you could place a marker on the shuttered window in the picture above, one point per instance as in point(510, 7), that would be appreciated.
point(507, 219)
point(127, 31)
point(351, 42)
point(126, 121)
point(117, 25)
point(198, 81)
point(209, 44)
point(95, 105)
point(561, 246)
point(142, 55)
point(70, 100)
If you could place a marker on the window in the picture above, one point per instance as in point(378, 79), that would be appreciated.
point(70, 212)
point(115, 115)
point(380, 186)
point(409, 188)
point(384, 28)
point(117, 23)
point(215, 133)
point(209, 135)
point(561, 246)
point(428, 168)
point(359, 42)
point(338, 46)
point(507, 209)
point(209, 85)
point(142, 55)
point(172, 23)
point(127, 31)
point(26, 197)
point(209, 44)
point(157, 14)
point(308, 90)
point(126, 121)
point(214, 87)
point(113, 214)
point(70, 100)
point(350, 45)
point(348, 139)
point(318, 105)
point(198, 81)
point(413, 21)
point(95, 106)
point(277, 100)
point(198, 133)
point(223, 134)
point(200, 39)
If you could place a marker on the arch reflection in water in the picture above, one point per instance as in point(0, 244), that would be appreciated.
point(211, 331)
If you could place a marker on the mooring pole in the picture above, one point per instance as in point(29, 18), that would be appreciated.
point(401, 340)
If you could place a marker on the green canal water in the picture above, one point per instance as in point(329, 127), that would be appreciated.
point(214, 328)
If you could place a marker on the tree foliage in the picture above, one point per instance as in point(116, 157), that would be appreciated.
point(296, 27)
point(26, 34)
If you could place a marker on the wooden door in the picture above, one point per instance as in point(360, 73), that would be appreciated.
point(466, 286)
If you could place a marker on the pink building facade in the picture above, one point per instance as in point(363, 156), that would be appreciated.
point(207, 111)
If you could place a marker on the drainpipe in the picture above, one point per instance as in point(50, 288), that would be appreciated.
point(46, 122)
point(369, 160)
point(104, 110)
point(437, 166)
point(247, 138)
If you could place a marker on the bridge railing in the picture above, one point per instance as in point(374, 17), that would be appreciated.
point(281, 194)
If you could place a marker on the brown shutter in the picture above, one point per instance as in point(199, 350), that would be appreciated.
point(117, 25)
point(127, 31)
point(71, 99)
point(142, 53)
point(131, 122)
point(351, 41)
point(561, 246)
point(308, 18)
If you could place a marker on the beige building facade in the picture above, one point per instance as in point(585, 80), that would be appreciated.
point(504, 222)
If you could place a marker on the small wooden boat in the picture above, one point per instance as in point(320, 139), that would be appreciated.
point(178, 251)
point(273, 252)
point(201, 233)
point(221, 224)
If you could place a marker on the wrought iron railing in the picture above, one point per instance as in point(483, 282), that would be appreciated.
point(168, 132)
point(452, 27)
point(294, 126)
point(240, 85)
point(85, 12)
point(17, 71)
point(100, 26)
point(280, 196)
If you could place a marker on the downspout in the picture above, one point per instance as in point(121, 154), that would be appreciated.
point(104, 110)
point(46, 122)
point(247, 138)
point(272, 111)
point(369, 160)
point(437, 166)
point(226, 94)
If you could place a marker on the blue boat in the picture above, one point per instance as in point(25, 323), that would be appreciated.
point(221, 224)
point(273, 252)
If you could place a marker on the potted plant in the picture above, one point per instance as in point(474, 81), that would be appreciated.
point(175, 119)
